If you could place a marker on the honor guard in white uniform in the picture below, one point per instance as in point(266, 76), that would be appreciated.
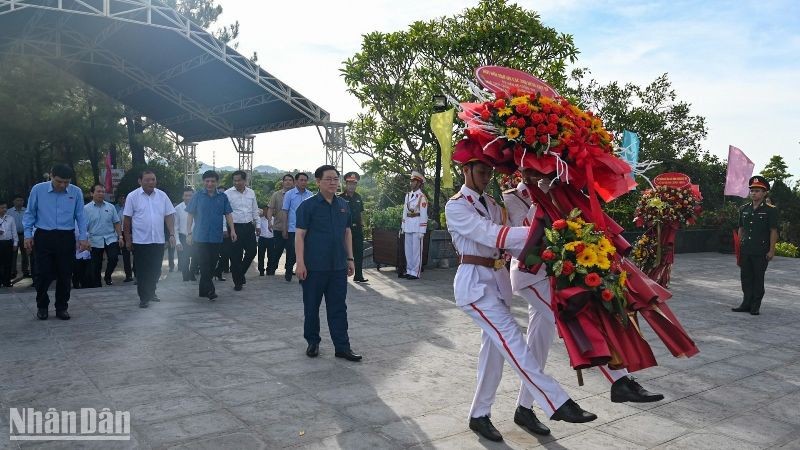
point(536, 290)
point(415, 224)
point(482, 289)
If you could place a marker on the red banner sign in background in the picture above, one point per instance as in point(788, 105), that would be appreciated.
point(502, 79)
point(675, 180)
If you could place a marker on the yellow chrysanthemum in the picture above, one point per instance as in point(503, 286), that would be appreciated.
point(512, 132)
point(603, 262)
point(502, 112)
point(605, 245)
point(623, 276)
point(572, 245)
point(587, 258)
point(574, 226)
point(519, 100)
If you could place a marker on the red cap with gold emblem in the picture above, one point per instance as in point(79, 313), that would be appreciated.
point(759, 182)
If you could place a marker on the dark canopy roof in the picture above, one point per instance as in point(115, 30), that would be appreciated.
point(147, 56)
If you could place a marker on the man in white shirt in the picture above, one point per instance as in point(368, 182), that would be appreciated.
point(146, 211)
point(246, 223)
point(415, 224)
point(9, 241)
point(187, 263)
point(17, 212)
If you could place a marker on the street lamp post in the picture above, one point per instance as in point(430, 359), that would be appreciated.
point(439, 105)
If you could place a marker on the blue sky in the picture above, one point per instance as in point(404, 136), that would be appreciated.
point(736, 62)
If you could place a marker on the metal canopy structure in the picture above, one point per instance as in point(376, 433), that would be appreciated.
point(150, 58)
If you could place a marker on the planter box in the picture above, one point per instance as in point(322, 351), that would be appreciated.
point(388, 249)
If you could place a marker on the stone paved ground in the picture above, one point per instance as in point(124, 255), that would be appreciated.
point(232, 374)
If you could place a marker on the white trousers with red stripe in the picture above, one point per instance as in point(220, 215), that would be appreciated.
point(502, 340)
point(413, 248)
point(542, 331)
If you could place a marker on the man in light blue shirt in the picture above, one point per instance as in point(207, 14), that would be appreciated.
point(291, 201)
point(105, 234)
point(54, 208)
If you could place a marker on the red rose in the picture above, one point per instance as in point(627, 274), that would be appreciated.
point(499, 103)
point(560, 224)
point(541, 128)
point(543, 139)
point(567, 268)
point(523, 109)
point(537, 118)
point(579, 248)
point(548, 255)
point(530, 132)
point(511, 121)
point(485, 115)
point(500, 95)
point(513, 90)
point(592, 280)
point(530, 140)
point(546, 109)
point(552, 129)
point(607, 295)
point(521, 123)
point(552, 118)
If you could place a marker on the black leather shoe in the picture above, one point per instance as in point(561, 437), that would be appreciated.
point(349, 355)
point(261, 273)
point(155, 299)
point(572, 413)
point(143, 304)
point(411, 277)
point(402, 275)
point(221, 278)
point(238, 287)
point(25, 275)
point(526, 418)
point(127, 280)
point(740, 309)
point(361, 280)
point(41, 313)
point(484, 427)
point(288, 276)
point(626, 389)
point(212, 296)
point(754, 313)
point(312, 351)
point(109, 282)
point(63, 315)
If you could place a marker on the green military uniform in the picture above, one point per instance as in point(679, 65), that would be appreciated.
point(357, 227)
point(757, 224)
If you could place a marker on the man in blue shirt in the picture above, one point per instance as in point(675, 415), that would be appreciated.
point(105, 234)
point(54, 209)
point(206, 211)
point(291, 201)
point(324, 261)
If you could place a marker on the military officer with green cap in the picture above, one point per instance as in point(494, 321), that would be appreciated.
point(758, 234)
point(350, 195)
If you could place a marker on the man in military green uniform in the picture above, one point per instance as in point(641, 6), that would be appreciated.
point(350, 195)
point(758, 234)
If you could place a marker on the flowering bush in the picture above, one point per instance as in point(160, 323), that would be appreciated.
point(577, 255)
point(665, 205)
point(787, 249)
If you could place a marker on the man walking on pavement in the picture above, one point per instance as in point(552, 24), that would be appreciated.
point(758, 234)
point(415, 224)
point(55, 209)
point(127, 264)
point(356, 205)
point(207, 210)
point(324, 261)
point(483, 289)
point(187, 262)
point(17, 212)
point(291, 201)
point(9, 241)
point(276, 219)
point(105, 234)
point(146, 211)
point(246, 224)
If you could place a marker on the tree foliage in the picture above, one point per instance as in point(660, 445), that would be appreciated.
point(396, 74)
point(776, 169)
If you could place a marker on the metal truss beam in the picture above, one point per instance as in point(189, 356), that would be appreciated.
point(174, 71)
point(157, 14)
point(335, 142)
point(223, 108)
point(244, 147)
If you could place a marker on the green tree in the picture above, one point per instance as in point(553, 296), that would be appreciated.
point(776, 169)
point(395, 75)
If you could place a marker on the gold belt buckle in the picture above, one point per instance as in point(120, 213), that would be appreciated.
point(499, 264)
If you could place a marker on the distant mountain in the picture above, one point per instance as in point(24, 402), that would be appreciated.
point(260, 169)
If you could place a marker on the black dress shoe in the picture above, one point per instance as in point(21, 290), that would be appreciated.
point(361, 280)
point(754, 313)
point(221, 278)
point(63, 315)
point(109, 282)
point(127, 280)
point(261, 273)
point(237, 287)
point(212, 296)
point(484, 427)
point(411, 277)
point(526, 418)
point(288, 276)
point(41, 313)
point(402, 275)
point(626, 389)
point(740, 309)
point(143, 304)
point(348, 355)
point(572, 413)
point(312, 351)
point(25, 275)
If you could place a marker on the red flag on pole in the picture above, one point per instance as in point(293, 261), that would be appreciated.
point(109, 181)
point(740, 169)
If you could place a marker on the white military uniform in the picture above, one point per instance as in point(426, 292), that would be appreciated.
point(483, 293)
point(415, 224)
point(536, 290)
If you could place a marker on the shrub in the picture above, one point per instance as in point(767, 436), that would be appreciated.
point(787, 249)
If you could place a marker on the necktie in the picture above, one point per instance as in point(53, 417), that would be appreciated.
point(483, 202)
